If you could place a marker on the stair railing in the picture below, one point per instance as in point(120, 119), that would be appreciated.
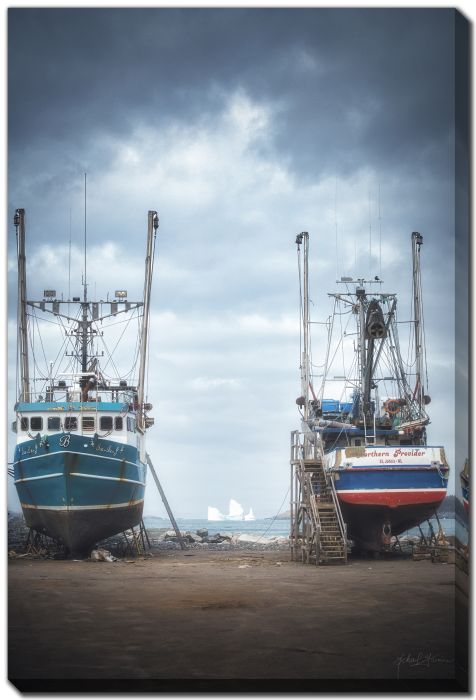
point(340, 519)
point(313, 510)
point(331, 484)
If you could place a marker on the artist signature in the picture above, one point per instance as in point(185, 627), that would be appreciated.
point(422, 658)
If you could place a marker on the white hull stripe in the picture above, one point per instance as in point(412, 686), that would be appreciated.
point(66, 509)
point(108, 478)
point(396, 490)
point(37, 478)
point(83, 454)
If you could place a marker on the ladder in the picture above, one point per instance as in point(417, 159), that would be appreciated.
point(136, 542)
point(318, 531)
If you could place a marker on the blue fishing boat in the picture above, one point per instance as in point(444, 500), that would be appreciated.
point(80, 459)
point(371, 436)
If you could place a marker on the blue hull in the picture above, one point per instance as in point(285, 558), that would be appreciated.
point(78, 489)
point(385, 490)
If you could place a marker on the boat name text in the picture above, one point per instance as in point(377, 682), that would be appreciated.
point(396, 453)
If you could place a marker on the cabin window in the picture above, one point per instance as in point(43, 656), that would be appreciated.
point(357, 442)
point(106, 422)
point(118, 423)
point(36, 423)
point(24, 424)
point(54, 423)
point(71, 423)
point(88, 423)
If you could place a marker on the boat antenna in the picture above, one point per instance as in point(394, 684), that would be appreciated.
point(335, 225)
point(370, 239)
point(85, 240)
point(69, 258)
point(379, 234)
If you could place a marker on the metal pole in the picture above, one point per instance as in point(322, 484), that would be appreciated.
point(305, 357)
point(363, 358)
point(153, 223)
point(291, 509)
point(19, 222)
point(417, 240)
point(165, 502)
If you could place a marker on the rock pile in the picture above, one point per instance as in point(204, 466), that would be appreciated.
point(217, 540)
point(164, 539)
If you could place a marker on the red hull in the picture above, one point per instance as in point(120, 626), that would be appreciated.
point(392, 498)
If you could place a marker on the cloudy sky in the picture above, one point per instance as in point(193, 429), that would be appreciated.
point(241, 127)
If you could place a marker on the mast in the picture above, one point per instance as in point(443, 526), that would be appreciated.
point(417, 241)
point(303, 238)
point(364, 378)
point(19, 223)
point(153, 224)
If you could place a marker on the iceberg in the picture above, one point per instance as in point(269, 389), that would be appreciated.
point(214, 514)
point(235, 511)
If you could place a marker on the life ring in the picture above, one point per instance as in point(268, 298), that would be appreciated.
point(392, 406)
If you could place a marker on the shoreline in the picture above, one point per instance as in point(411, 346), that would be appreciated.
point(165, 539)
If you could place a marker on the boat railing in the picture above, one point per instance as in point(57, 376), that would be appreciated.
point(73, 394)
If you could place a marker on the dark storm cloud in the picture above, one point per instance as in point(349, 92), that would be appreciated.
point(242, 127)
point(356, 87)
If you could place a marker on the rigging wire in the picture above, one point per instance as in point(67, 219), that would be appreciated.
point(118, 341)
point(263, 534)
point(32, 345)
point(342, 346)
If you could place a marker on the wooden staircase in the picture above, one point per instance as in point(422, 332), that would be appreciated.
point(318, 532)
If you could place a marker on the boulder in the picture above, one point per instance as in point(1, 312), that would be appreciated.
point(202, 532)
point(214, 539)
point(102, 555)
point(172, 535)
point(192, 537)
point(249, 538)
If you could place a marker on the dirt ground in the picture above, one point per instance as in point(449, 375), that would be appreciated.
point(193, 618)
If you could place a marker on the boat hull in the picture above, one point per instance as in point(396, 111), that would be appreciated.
point(383, 492)
point(372, 527)
point(79, 490)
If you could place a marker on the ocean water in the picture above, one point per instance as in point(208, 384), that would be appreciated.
point(264, 527)
point(280, 528)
